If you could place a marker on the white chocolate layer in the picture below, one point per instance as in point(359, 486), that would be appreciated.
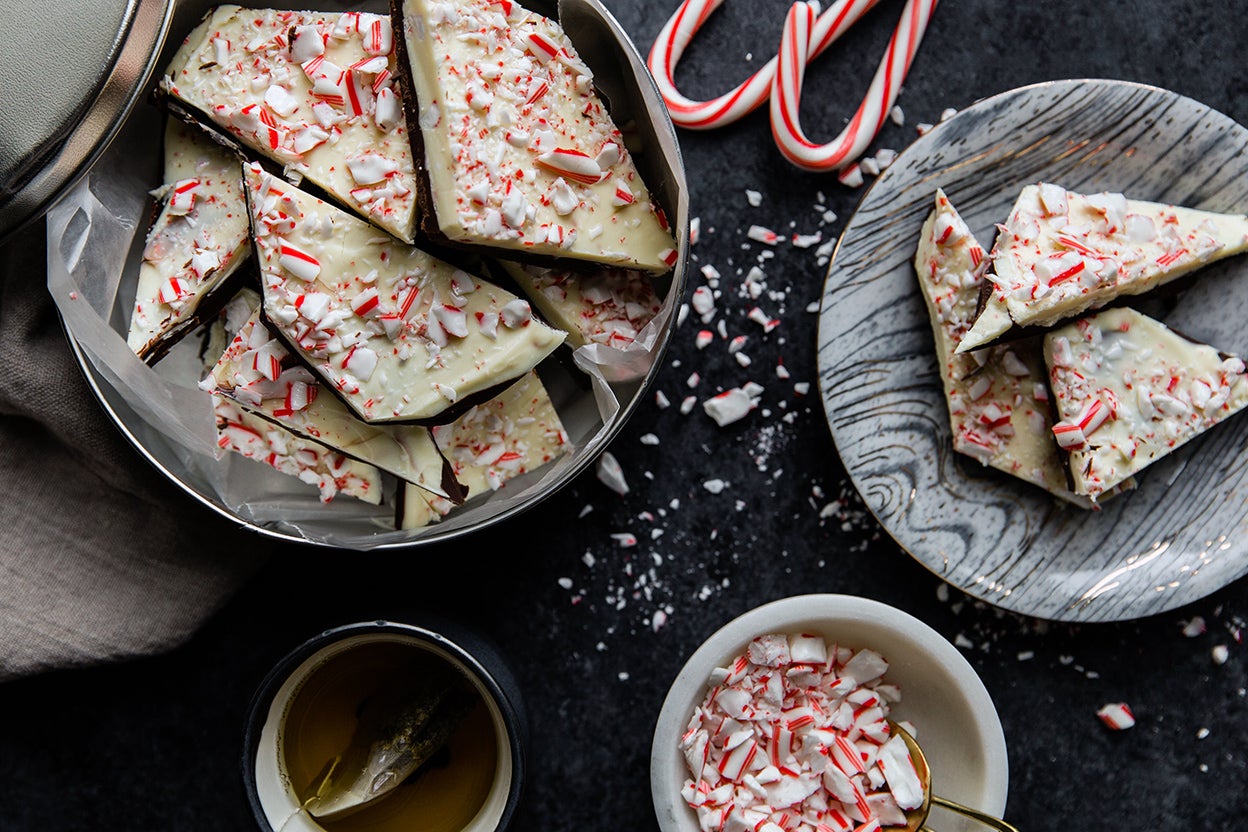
point(257, 372)
point(1061, 253)
point(400, 334)
point(323, 103)
point(197, 241)
point(519, 150)
point(1129, 391)
point(259, 439)
point(608, 306)
point(994, 410)
point(515, 432)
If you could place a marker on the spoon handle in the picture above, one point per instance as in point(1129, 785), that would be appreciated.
point(986, 820)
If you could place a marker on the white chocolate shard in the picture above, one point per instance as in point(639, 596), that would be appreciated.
point(997, 398)
point(399, 334)
point(607, 306)
point(199, 239)
point(514, 433)
point(519, 150)
point(323, 104)
point(1129, 391)
point(258, 373)
point(261, 440)
point(1061, 253)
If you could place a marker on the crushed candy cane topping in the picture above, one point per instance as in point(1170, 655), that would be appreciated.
point(520, 151)
point(1129, 391)
point(1060, 253)
point(793, 734)
point(399, 334)
point(309, 462)
point(994, 414)
point(197, 241)
point(607, 306)
point(312, 91)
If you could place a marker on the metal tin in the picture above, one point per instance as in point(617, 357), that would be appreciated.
point(54, 138)
point(621, 74)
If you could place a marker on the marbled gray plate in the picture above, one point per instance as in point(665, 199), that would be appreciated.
point(1184, 532)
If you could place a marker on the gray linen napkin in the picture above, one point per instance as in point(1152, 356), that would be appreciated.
point(101, 558)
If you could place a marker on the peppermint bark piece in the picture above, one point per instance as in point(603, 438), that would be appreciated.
point(312, 92)
point(516, 432)
point(1061, 253)
point(997, 398)
point(605, 306)
point(1129, 391)
point(259, 374)
point(515, 147)
point(197, 243)
point(311, 462)
point(396, 333)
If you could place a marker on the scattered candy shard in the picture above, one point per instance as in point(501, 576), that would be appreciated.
point(1061, 253)
point(313, 92)
point(1129, 391)
point(198, 241)
point(517, 150)
point(611, 474)
point(1117, 716)
point(261, 440)
point(733, 405)
point(781, 731)
point(997, 398)
point(607, 306)
point(398, 334)
point(516, 432)
point(258, 373)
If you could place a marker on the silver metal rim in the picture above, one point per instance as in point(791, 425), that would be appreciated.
point(141, 39)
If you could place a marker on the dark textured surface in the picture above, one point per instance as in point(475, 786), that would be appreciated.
point(154, 745)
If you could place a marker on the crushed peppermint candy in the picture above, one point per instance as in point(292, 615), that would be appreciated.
point(1117, 716)
point(794, 734)
point(733, 405)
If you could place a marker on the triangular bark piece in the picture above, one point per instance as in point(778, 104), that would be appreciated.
point(396, 333)
point(197, 243)
point(1129, 391)
point(516, 149)
point(1061, 253)
point(997, 398)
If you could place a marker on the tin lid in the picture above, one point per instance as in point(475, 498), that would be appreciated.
point(72, 69)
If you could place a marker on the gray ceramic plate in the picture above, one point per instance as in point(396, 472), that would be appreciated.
point(1184, 532)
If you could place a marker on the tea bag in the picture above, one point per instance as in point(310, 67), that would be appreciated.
point(398, 732)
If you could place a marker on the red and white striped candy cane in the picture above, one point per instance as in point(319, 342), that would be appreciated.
point(751, 93)
point(786, 90)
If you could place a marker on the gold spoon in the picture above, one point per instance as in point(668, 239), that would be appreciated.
point(915, 818)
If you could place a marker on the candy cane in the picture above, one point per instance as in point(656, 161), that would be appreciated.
point(786, 89)
point(679, 30)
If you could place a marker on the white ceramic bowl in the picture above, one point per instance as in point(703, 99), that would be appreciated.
point(956, 722)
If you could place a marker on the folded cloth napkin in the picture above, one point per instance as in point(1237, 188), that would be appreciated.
point(101, 557)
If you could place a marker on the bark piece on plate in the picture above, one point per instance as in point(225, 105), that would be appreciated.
point(1129, 390)
point(259, 439)
point(1061, 253)
point(514, 433)
point(516, 148)
point(257, 372)
point(396, 333)
point(313, 92)
point(604, 306)
point(997, 398)
point(197, 243)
